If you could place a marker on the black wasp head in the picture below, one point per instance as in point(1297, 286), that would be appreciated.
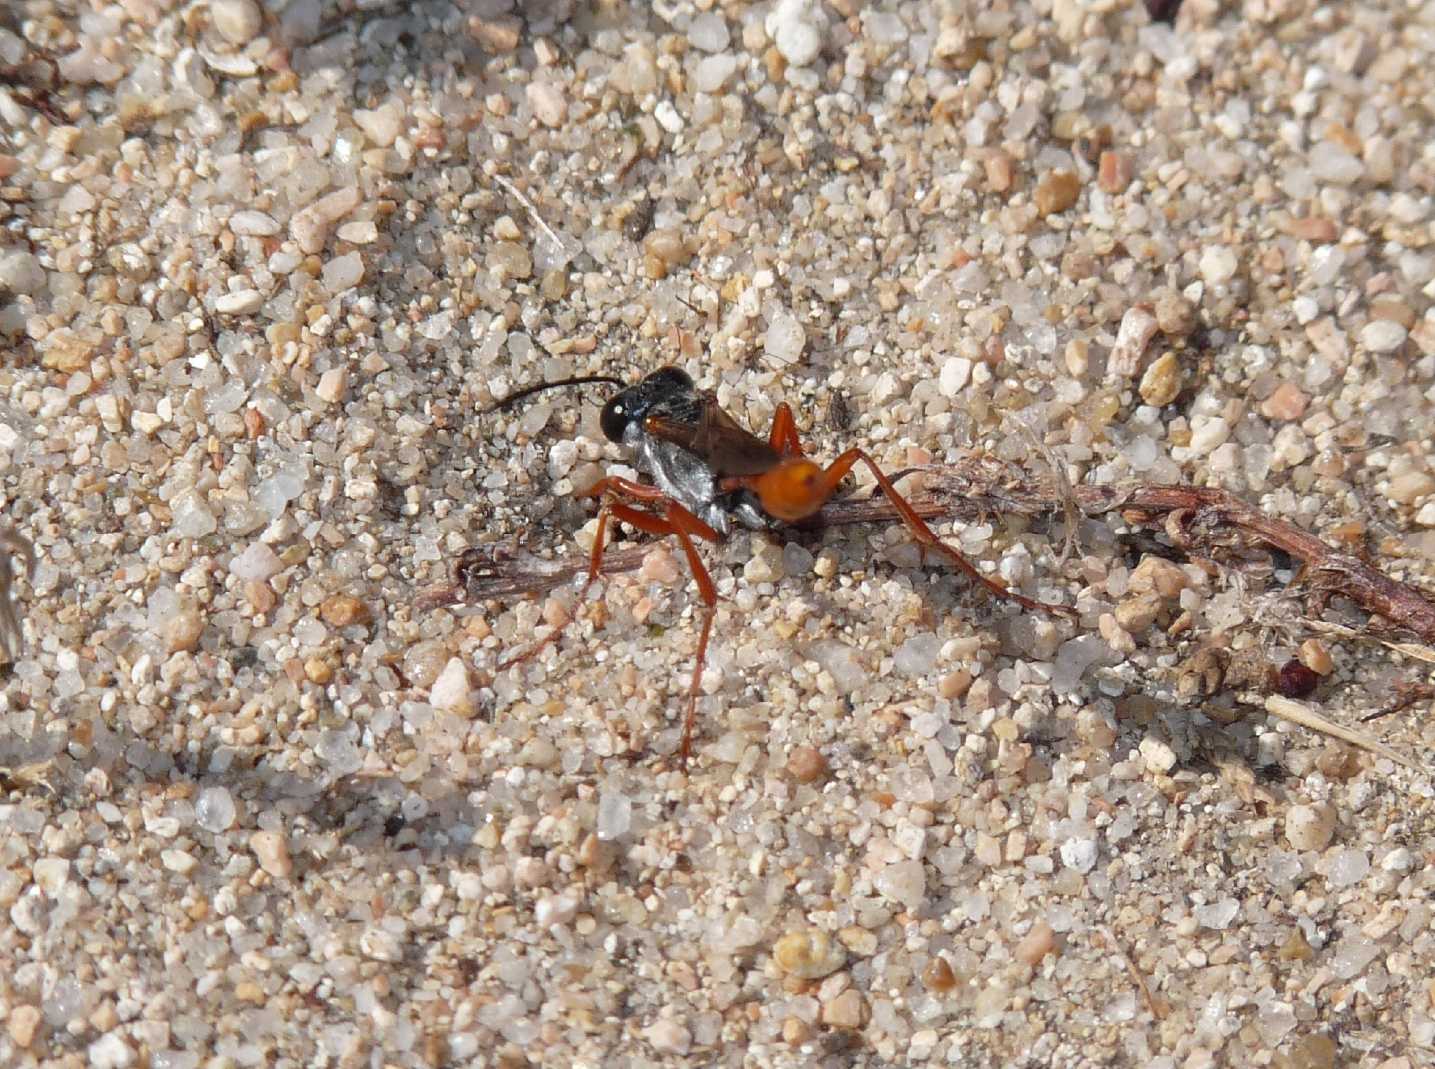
point(662, 390)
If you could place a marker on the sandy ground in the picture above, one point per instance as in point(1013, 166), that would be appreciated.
point(261, 272)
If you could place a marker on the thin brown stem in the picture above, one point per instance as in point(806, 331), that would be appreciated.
point(1201, 520)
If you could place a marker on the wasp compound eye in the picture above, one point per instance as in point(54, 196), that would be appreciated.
point(614, 419)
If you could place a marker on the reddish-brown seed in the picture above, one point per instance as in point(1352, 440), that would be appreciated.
point(1295, 680)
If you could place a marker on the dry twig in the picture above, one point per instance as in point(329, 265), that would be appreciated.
point(1414, 650)
point(1197, 518)
point(1299, 713)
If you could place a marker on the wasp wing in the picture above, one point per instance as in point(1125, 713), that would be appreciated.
point(724, 445)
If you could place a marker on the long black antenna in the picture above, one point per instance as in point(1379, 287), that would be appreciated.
point(529, 391)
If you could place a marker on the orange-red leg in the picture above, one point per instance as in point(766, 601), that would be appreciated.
point(676, 521)
point(783, 436)
point(682, 524)
point(837, 471)
point(616, 484)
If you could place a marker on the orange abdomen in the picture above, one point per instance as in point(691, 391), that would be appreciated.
point(792, 491)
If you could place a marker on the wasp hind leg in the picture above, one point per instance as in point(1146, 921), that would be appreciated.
point(674, 520)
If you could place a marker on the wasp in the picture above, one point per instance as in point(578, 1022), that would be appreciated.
point(705, 474)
